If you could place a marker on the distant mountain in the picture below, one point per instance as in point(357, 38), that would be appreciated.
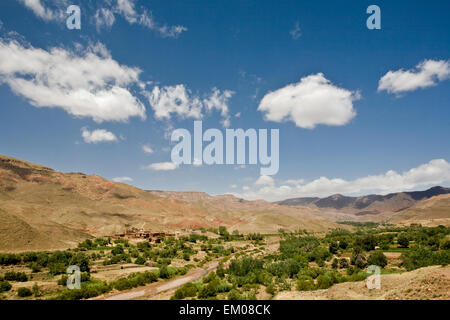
point(370, 204)
point(429, 212)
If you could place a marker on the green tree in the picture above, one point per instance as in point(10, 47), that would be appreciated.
point(24, 292)
point(333, 247)
point(403, 240)
point(377, 258)
point(334, 265)
point(4, 286)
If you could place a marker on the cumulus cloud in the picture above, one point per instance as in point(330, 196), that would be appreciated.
point(147, 149)
point(180, 101)
point(162, 166)
point(265, 181)
point(122, 179)
point(431, 173)
point(426, 74)
point(47, 10)
point(311, 102)
point(97, 136)
point(86, 82)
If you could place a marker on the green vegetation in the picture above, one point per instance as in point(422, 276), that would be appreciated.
point(246, 267)
point(24, 292)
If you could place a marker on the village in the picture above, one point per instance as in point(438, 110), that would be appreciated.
point(137, 234)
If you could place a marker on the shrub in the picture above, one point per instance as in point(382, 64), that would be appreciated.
point(403, 240)
point(24, 292)
point(9, 259)
point(57, 268)
point(305, 285)
point(245, 266)
point(420, 256)
point(4, 286)
point(35, 267)
point(343, 263)
point(324, 281)
point(117, 250)
point(343, 244)
point(210, 290)
point(333, 247)
point(88, 290)
point(377, 258)
point(210, 277)
point(16, 276)
point(319, 255)
point(359, 260)
point(234, 295)
point(35, 290)
point(334, 265)
point(163, 272)
point(29, 257)
point(271, 289)
point(140, 260)
point(187, 290)
point(366, 242)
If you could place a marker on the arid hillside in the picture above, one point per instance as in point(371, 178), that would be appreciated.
point(431, 212)
point(41, 208)
point(430, 283)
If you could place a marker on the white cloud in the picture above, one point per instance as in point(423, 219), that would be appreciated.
point(265, 181)
point(104, 18)
point(312, 101)
point(42, 9)
point(49, 10)
point(180, 101)
point(122, 179)
point(233, 186)
point(147, 149)
point(295, 181)
point(296, 32)
point(126, 8)
point(162, 166)
point(174, 99)
point(426, 74)
point(97, 136)
point(429, 174)
point(85, 83)
point(219, 101)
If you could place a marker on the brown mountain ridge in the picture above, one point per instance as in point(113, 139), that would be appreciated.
point(370, 204)
point(41, 208)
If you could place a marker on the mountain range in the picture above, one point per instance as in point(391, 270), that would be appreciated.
point(367, 205)
point(41, 208)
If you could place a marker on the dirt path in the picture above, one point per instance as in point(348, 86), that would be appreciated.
point(159, 287)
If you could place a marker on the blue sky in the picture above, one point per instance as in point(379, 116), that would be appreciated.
point(396, 140)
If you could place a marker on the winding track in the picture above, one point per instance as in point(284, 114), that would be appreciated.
point(158, 287)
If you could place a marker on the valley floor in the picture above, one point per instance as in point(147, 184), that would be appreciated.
point(421, 284)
